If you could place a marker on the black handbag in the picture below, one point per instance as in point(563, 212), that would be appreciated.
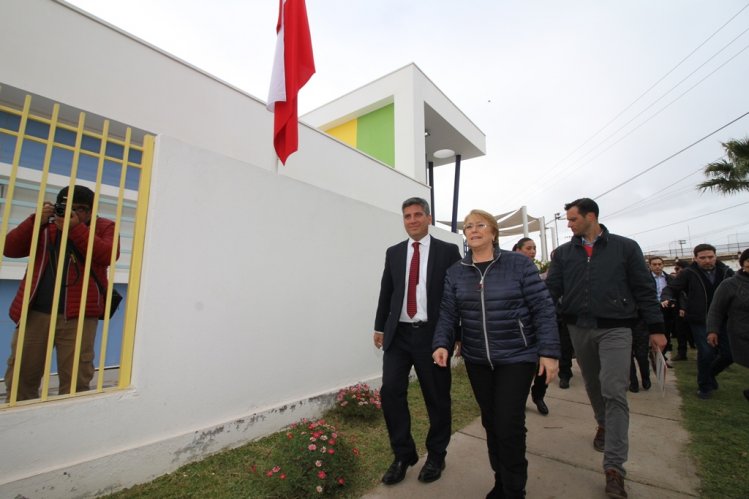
point(116, 296)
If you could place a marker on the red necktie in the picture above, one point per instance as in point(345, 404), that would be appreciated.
point(413, 280)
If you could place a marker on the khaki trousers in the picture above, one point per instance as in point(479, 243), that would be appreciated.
point(35, 354)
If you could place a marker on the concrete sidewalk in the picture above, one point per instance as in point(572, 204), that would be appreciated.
point(561, 460)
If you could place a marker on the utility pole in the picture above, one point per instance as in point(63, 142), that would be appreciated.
point(557, 216)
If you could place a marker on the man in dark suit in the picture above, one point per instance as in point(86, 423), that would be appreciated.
point(407, 311)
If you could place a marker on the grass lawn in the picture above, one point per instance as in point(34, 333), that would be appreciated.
point(719, 430)
point(240, 472)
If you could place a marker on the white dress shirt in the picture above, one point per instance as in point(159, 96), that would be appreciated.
point(421, 287)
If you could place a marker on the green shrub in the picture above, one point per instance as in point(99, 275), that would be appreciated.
point(311, 459)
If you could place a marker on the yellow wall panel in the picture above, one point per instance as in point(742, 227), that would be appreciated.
point(345, 133)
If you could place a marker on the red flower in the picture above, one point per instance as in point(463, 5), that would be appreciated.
point(282, 476)
point(269, 473)
point(356, 451)
point(321, 475)
point(341, 481)
point(331, 451)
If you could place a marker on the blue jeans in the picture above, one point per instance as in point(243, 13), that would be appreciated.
point(710, 361)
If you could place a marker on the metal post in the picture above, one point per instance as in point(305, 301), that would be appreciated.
point(542, 230)
point(557, 216)
point(430, 169)
point(456, 187)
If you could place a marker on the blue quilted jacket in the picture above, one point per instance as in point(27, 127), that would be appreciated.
point(506, 317)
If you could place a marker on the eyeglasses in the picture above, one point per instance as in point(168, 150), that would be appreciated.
point(479, 226)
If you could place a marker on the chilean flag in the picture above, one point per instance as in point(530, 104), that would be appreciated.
point(293, 66)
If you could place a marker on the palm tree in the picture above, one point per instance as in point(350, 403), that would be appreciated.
point(731, 175)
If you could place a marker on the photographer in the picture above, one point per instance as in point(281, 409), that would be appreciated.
point(41, 297)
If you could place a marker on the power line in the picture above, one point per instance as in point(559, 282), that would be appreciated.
point(672, 156)
point(548, 173)
point(655, 113)
point(657, 82)
point(689, 219)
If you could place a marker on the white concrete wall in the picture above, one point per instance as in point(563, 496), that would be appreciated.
point(259, 286)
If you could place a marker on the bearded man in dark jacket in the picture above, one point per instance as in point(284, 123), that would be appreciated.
point(699, 282)
point(604, 285)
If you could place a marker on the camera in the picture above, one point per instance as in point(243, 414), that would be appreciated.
point(60, 209)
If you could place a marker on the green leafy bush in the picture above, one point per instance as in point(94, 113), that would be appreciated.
point(358, 401)
point(311, 459)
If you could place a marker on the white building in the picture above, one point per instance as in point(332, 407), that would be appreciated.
point(258, 282)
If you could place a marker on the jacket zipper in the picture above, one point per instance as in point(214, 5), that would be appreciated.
point(483, 309)
point(522, 332)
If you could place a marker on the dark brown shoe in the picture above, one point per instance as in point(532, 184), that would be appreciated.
point(600, 439)
point(615, 485)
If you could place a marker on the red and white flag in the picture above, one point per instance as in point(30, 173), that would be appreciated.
point(293, 66)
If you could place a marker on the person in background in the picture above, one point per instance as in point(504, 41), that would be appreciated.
point(509, 334)
point(410, 296)
point(604, 287)
point(40, 312)
point(699, 281)
point(681, 330)
point(730, 306)
point(527, 247)
point(662, 280)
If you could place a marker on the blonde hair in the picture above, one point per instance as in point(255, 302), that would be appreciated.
point(489, 219)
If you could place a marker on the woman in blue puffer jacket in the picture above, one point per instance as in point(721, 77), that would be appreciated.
point(508, 326)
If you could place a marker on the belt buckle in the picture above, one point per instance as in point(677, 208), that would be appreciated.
point(418, 324)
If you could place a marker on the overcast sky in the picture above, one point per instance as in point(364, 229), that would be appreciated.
point(575, 97)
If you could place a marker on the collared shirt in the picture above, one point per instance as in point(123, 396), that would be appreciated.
point(710, 275)
point(660, 283)
point(588, 245)
point(421, 287)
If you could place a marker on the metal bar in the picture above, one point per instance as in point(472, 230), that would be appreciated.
point(87, 263)
point(430, 169)
point(112, 260)
point(136, 264)
point(456, 188)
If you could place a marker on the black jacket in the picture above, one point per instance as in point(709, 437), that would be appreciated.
point(507, 317)
point(698, 289)
point(610, 289)
point(393, 285)
point(730, 309)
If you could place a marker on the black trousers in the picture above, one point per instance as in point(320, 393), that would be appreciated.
point(640, 352)
point(501, 394)
point(413, 347)
point(565, 361)
point(538, 390)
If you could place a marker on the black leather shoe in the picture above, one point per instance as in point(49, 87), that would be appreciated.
point(646, 384)
point(634, 387)
point(431, 471)
point(397, 471)
point(541, 405)
point(564, 383)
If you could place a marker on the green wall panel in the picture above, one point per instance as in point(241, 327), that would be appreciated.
point(375, 134)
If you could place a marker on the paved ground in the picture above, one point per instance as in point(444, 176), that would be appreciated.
point(562, 461)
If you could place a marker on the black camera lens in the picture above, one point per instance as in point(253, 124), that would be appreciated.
point(60, 209)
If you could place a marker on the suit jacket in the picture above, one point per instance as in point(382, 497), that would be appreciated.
point(393, 285)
